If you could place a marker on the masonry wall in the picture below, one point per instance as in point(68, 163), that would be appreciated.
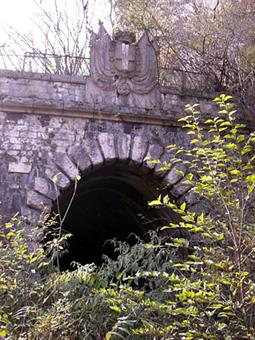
point(49, 127)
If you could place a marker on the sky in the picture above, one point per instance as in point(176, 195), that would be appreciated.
point(20, 15)
point(16, 12)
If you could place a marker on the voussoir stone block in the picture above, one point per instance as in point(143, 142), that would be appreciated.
point(68, 167)
point(107, 144)
point(80, 157)
point(192, 198)
point(38, 202)
point(32, 215)
point(139, 149)
point(154, 153)
point(56, 176)
point(165, 159)
point(93, 150)
point(173, 175)
point(123, 146)
point(44, 187)
point(203, 206)
point(180, 188)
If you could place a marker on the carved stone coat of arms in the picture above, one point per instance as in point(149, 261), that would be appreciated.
point(122, 70)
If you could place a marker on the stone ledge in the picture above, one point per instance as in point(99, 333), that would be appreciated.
point(89, 111)
point(43, 76)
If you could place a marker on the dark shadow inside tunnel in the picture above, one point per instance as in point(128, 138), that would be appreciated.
point(110, 202)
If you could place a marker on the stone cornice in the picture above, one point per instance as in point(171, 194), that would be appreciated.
point(89, 111)
point(43, 76)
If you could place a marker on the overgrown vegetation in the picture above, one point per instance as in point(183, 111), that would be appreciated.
point(196, 286)
point(210, 42)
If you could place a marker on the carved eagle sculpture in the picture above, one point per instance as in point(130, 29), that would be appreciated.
point(121, 64)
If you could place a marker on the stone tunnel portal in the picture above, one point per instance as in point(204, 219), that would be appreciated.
point(110, 202)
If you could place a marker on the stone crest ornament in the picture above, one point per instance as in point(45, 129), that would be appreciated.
point(123, 69)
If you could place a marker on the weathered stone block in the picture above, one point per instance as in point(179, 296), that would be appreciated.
point(32, 215)
point(192, 198)
point(93, 151)
point(165, 162)
point(154, 153)
point(44, 187)
point(68, 167)
point(202, 206)
point(79, 155)
point(37, 201)
point(123, 146)
point(22, 168)
point(174, 174)
point(107, 144)
point(56, 176)
point(2, 115)
point(139, 149)
point(180, 188)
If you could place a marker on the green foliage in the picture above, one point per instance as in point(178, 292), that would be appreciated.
point(191, 280)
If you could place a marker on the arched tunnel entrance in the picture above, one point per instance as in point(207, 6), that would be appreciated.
point(110, 202)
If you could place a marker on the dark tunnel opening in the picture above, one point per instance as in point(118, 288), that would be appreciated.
point(110, 202)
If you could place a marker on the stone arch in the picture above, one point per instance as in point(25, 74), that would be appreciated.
point(119, 161)
point(63, 168)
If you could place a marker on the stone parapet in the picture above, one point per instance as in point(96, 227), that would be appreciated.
point(64, 96)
